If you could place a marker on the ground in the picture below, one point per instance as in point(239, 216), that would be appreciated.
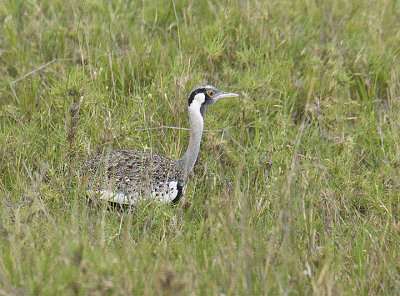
point(296, 190)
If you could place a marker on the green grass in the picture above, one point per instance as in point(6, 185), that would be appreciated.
point(298, 196)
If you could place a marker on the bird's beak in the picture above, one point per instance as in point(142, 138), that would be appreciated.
point(224, 95)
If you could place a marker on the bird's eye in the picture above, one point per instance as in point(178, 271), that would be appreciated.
point(211, 92)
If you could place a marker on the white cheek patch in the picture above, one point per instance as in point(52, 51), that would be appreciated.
point(198, 100)
point(200, 97)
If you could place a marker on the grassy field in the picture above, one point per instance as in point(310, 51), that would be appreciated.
point(297, 186)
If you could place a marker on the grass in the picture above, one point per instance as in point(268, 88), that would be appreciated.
point(297, 195)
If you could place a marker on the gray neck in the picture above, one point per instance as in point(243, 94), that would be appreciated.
point(188, 160)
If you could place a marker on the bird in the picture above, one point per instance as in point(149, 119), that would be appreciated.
point(125, 177)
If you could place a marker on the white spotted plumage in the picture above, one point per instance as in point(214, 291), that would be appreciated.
point(166, 194)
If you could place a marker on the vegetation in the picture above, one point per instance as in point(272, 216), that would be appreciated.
point(296, 190)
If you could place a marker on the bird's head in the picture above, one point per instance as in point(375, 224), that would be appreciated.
point(203, 96)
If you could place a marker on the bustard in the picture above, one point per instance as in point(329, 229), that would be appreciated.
point(126, 176)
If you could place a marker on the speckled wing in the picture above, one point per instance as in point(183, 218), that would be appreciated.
point(127, 176)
